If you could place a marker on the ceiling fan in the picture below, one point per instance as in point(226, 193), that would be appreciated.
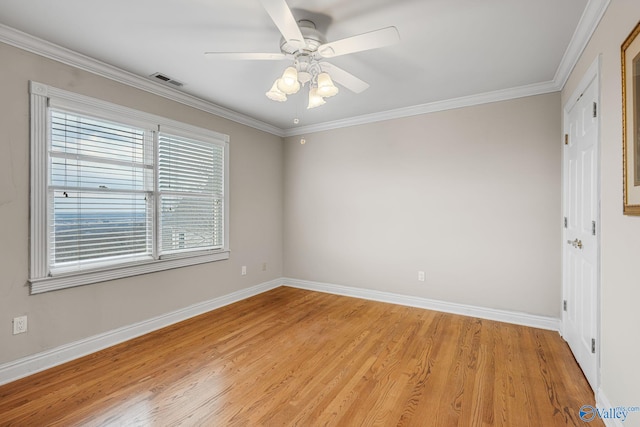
point(303, 43)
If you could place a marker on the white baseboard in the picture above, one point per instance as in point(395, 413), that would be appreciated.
point(47, 359)
point(517, 318)
point(56, 356)
point(603, 402)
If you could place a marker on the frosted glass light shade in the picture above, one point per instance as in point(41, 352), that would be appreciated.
point(289, 83)
point(315, 100)
point(275, 94)
point(326, 88)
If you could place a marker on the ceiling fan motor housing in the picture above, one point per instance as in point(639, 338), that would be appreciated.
point(312, 39)
point(304, 62)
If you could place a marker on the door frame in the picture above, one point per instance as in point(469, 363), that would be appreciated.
point(591, 75)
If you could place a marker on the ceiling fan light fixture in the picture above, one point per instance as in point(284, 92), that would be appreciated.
point(307, 45)
point(326, 88)
point(304, 77)
point(275, 94)
point(288, 83)
point(315, 100)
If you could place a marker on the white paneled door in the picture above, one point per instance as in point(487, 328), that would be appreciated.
point(581, 242)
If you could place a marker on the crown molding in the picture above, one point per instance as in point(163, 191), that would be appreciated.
point(593, 13)
point(49, 50)
point(432, 107)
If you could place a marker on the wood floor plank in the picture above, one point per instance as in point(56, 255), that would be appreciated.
point(301, 358)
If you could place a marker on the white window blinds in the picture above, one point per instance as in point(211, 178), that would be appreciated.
point(101, 178)
point(191, 188)
point(117, 192)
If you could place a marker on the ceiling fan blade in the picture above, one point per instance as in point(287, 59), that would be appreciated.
point(345, 78)
point(372, 40)
point(245, 56)
point(281, 15)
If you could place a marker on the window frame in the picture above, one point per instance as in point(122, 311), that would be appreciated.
point(42, 97)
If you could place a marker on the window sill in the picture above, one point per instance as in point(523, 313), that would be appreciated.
point(85, 278)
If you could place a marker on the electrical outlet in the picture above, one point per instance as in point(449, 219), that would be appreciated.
point(19, 325)
point(244, 270)
point(421, 276)
point(264, 266)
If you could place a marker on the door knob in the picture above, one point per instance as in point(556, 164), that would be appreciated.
point(575, 243)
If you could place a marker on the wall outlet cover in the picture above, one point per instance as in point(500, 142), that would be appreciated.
point(19, 325)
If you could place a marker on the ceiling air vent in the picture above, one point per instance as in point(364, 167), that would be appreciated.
point(166, 79)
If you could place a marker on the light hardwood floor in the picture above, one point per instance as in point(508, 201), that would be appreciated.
point(294, 357)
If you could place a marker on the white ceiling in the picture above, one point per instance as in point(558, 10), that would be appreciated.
point(449, 49)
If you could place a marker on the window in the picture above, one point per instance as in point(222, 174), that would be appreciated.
point(191, 194)
point(116, 192)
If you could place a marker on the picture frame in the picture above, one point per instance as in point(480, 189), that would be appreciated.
point(630, 58)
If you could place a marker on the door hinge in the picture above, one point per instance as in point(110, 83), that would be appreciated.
point(566, 139)
point(595, 110)
point(565, 222)
point(593, 345)
point(564, 305)
point(593, 228)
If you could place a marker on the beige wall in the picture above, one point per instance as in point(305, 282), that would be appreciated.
point(60, 317)
point(620, 252)
point(471, 196)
